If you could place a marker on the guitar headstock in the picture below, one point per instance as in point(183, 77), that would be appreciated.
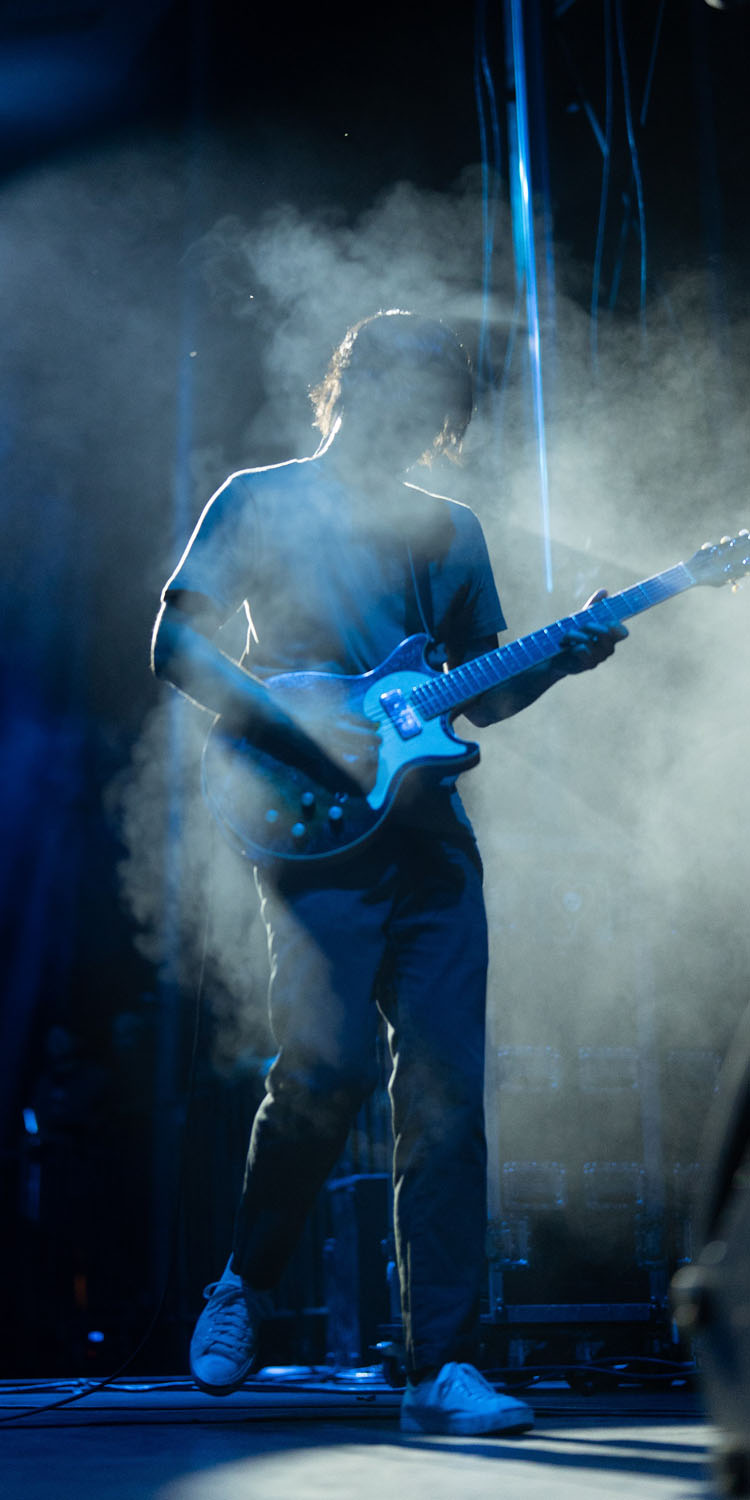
point(723, 562)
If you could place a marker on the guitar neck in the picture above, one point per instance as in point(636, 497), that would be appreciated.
point(455, 689)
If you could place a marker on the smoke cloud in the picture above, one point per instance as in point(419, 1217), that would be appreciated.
point(612, 811)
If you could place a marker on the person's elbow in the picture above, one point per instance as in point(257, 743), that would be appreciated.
point(170, 640)
point(163, 642)
point(182, 619)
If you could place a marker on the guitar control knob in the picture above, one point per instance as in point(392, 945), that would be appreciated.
point(272, 815)
point(336, 815)
point(299, 832)
point(307, 803)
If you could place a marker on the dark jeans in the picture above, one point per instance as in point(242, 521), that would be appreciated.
point(407, 923)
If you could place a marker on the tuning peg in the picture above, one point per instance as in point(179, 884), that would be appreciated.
point(724, 540)
point(743, 532)
point(706, 547)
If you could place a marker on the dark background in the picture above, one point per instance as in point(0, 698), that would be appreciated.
point(127, 132)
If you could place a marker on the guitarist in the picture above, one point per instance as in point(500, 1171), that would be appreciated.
point(337, 558)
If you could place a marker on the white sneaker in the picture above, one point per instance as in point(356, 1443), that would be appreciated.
point(460, 1401)
point(225, 1339)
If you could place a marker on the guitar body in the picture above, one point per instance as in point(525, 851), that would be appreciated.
point(271, 811)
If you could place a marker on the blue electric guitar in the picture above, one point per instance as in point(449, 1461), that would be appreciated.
point(273, 812)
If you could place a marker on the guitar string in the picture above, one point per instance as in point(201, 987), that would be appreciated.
point(437, 695)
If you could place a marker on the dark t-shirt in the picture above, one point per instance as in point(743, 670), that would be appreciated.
point(328, 586)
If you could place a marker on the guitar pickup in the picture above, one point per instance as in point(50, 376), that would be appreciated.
point(401, 713)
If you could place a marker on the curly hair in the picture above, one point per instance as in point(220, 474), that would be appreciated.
point(398, 346)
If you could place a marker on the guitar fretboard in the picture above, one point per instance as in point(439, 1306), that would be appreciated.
point(458, 687)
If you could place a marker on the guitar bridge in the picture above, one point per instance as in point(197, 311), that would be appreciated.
point(401, 713)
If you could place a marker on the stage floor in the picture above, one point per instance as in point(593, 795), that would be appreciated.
point(282, 1438)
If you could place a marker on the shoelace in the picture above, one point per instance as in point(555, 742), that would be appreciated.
point(473, 1383)
point(230, 1317)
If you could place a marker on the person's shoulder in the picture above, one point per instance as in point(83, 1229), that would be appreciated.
point(453, 517)
point(292, 472)
point(266, 487)
point(458, 509)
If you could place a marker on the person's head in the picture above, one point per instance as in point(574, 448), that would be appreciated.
point(399, 388)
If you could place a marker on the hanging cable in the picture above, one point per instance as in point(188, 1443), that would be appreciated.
point(604, 194)
point(652, 64)
point(625, 227)
point(622, 51)
point(494, 197)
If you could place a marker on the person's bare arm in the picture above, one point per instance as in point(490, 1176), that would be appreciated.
point(184, 653)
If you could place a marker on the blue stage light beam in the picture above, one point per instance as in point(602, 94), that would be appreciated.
point(166, 1080)
point(525, 250)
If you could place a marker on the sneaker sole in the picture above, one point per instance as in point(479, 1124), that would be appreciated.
point(456, 1425)
point(222, 1390)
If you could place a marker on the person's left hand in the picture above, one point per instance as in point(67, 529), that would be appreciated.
point(589, 644)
